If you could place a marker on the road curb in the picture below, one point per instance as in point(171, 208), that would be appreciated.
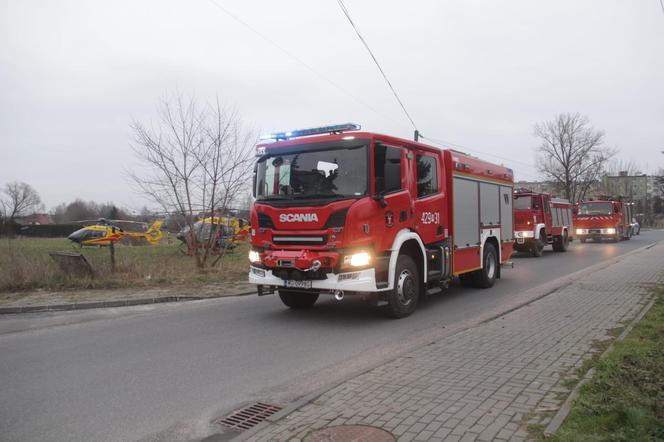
point(536, 293)
point(109, 304)
point(566, 407)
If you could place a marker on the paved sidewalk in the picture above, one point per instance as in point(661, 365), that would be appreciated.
point(491, 381)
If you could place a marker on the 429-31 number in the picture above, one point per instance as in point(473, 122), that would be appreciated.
point(430, 218)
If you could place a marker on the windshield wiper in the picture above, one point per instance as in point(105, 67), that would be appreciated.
point(272, 198)
point(317, 195)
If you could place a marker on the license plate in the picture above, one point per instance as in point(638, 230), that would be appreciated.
point(298, 284)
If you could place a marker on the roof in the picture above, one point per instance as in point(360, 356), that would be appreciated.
point(468, 164)
point(35, 218)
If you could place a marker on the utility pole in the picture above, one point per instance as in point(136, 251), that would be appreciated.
point(112, 247)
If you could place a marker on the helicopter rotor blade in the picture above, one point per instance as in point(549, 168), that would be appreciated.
point(125, 221)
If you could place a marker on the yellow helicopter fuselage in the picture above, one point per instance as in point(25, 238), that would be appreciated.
point(104, 235)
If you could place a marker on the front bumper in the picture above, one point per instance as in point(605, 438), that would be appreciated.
point(523, 239)
point(354, 281)
point(596, 233)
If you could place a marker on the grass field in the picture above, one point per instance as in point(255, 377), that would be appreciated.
point(624, 401)
point(25, 265)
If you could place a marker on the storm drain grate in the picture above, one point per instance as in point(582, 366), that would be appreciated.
point(248, 417)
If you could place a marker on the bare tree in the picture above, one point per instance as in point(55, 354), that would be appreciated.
point(195, 160)
point(571, 154)
point(19, 199)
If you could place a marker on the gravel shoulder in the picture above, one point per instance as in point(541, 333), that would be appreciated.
point(45, 298)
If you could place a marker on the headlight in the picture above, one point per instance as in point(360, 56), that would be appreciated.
point(358, 259)
point(611, 231)
point(254, 257)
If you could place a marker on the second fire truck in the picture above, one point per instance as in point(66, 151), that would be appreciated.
point(342, 212)
point(539, 220)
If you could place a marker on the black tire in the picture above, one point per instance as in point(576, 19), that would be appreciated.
point(486, 276)
point(521, 248)
point(560, 243)
point(538, 245)
point(298, 300)
point(402, 299)
point(467, 280)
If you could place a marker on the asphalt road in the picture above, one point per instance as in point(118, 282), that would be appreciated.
point(163, 372)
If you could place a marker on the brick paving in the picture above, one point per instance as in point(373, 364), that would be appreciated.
point(491, 381)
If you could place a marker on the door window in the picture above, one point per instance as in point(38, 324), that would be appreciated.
point(427, 175)
point(387, 163)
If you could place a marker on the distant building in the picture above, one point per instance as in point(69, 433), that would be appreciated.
point(34, 219)
point(639, 189)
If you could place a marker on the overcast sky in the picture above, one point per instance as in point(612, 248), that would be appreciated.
point(73, 74)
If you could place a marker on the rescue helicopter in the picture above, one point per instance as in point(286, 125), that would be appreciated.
point(104, 233)
point(231, 232)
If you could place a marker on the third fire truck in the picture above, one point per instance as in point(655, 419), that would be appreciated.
point(607, 218)
point(343, 212)
point(539, 220)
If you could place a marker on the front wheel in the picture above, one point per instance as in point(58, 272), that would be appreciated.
point(486, 276)
point(538, 246)
point(297, 300)
point(561, 243)
point(402, 299)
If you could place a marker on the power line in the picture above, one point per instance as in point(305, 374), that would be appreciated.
point(302, 62)
point(373, 57)
point(443, 143)
point(297, 59)
point(447, 143)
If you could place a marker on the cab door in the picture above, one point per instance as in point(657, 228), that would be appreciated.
point(392, 199)
point(427, 189)
point(548, 219)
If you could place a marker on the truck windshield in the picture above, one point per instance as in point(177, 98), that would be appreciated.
point(522, 202)
point(596, 209)
point(329, 173)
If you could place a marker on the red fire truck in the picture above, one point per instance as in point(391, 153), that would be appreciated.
point(606, 218)
point(540, 220)
point(343, 212)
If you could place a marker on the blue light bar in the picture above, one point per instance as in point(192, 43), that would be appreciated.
point(334, 129)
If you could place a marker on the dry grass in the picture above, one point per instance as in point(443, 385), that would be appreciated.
point(25, 265)
point(624, 401)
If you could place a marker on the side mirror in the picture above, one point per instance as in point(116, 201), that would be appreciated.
point(380, 199)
